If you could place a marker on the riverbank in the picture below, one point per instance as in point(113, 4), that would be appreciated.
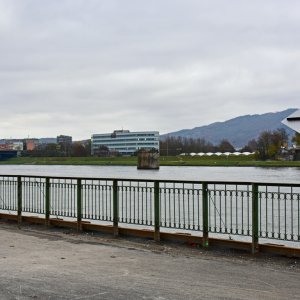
point(220, 161)
point(37, 262)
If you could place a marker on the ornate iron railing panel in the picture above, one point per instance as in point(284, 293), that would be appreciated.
point(8, 193)
point(230, 209)
point(181, 205)
point(136, 202)
point(97, 196)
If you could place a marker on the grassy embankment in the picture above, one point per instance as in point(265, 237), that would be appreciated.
point(164, 161)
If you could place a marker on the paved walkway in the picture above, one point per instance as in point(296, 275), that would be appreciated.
point(58, 264)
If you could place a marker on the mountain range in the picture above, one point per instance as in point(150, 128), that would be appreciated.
point(238, 131)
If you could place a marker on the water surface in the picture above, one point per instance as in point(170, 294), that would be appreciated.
point(249, 174)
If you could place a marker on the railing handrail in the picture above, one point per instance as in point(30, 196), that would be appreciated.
point(159, 180)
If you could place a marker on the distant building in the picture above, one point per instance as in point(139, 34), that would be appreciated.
point(19, 146)
point(47, 140)
point(8, 154)
point(4, 147)
point(125, 142)
point(11, 144)
point(31, 144)
point(293, 121)
point(65, 143)
point(64, 139)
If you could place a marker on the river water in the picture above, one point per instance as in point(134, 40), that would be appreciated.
point(236, 174)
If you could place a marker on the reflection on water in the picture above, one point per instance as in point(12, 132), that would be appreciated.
point(240, 174)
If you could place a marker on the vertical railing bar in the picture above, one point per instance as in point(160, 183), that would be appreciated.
point(156, 211)
point(225, 200)
point(115, 208)
point(198, 213)
point(179, 214)
point(267, 198)
point(242, 196)
point(183, 206)
point(19, 178)
point(126, 201)
point(255, 213)
point(279, 216)
point(220, 212)
point(151, 205)
point(236, 211)
point(193, 194)
point(123, 197)
point(285, 225)
point(260, 210)
point(170, 207)
point(138, 203)
point(215, 206)
point(165, 202)
point(188, 209)
point(248, 210)
point(298, 217)
point(209, 209)
point(79, 204)
point(272, 215)
point(205, 240)
point(174, 204)
point(47, 202)
point(292, 215)
point(298, 198)
point(134, 204)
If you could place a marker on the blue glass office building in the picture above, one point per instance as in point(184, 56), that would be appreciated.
point(126, 142)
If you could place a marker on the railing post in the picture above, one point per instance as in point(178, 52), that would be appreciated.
point(255, 245)
point(156, 212)
point(115, 208)
point(79, 205)
point(19, 200)
point(205, 240)
point(47, 201)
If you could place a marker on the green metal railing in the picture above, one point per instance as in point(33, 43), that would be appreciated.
point(256, 210)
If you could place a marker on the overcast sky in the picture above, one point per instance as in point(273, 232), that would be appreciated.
point(79, 67)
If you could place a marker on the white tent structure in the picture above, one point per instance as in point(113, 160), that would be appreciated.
point(201, 153)
point(218, 153)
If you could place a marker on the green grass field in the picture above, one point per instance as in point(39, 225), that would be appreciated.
point(164, 161)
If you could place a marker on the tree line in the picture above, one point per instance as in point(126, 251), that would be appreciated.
point(268, 145)
point(177, 145)
point(75, 149)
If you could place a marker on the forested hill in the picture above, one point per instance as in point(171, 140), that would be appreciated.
point(238, 131)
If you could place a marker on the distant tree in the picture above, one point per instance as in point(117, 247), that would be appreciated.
point(45, 150)
point(102, 151)
point(176, 145)
point(263, 145)
point(252, 144)
point(250, 147)
point(52, 147)
point(225, 146)
point(270, 143)
point(78, 150)
point(88, 146)
point(280, 138)
point(296, 139)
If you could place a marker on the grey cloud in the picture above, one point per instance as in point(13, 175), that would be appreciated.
point(86, 66)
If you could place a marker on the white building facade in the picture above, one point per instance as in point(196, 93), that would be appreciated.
point(293, 121)
point(126, 142)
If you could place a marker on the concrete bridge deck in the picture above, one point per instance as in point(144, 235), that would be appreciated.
point(58, 264)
